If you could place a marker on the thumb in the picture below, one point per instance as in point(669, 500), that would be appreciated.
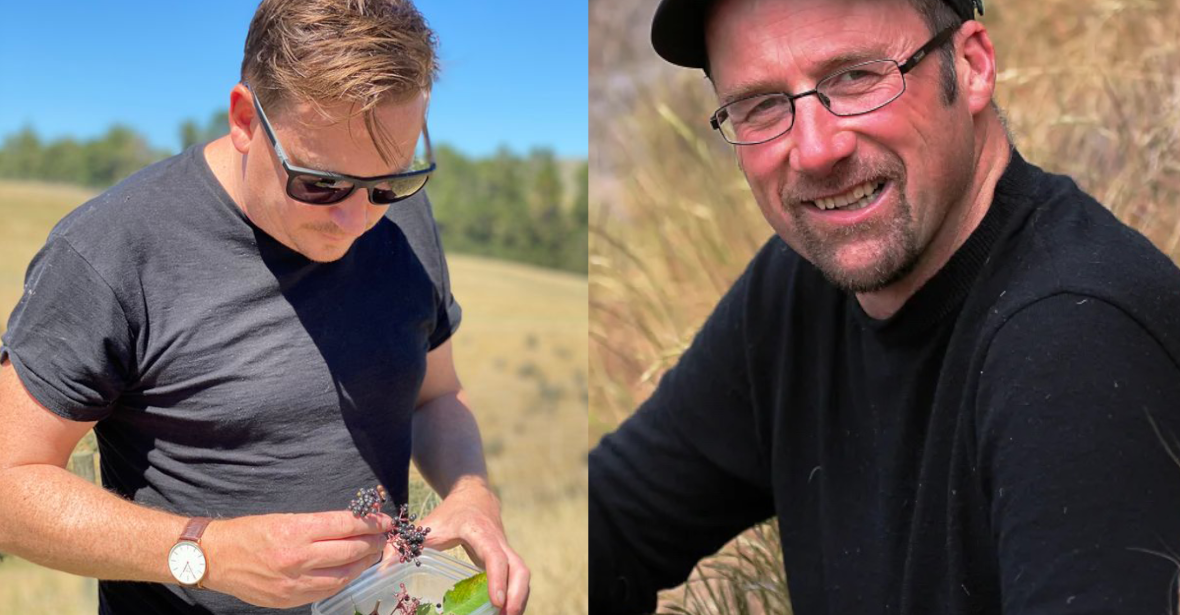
point(442, 535)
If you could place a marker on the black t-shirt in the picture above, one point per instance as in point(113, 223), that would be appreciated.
point(229, 375)
point(993, 447)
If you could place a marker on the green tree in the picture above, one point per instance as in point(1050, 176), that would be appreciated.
point(117, 154)
point(66, 162)
point(548, 228)
point(22, 154)
point(576, 251)
point(191, 133)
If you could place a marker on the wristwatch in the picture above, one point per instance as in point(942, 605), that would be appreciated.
point(186, 559)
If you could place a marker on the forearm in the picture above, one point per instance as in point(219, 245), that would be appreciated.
point(447, 446)
point(58, 520)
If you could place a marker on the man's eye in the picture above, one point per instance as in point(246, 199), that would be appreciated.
point(853, 76)
point(766, 107)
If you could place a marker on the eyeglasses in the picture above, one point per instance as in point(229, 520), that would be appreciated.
point(326, 188)
point(854, 90)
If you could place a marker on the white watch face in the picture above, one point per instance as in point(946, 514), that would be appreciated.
point(187, 562)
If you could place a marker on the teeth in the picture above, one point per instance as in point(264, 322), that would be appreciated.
point(858, 197)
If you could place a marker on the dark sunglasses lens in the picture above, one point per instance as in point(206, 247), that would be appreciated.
point(318, 190)
point(395, 190)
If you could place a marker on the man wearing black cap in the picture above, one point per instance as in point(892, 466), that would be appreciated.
point(952, 376)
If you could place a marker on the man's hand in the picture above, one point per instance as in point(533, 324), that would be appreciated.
point(470, 516)
point(288, 560)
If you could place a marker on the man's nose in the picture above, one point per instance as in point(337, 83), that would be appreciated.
point(817, 138)
point(351, 214)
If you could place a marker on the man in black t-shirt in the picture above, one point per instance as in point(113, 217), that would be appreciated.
point(951, 376)
point(255, 329)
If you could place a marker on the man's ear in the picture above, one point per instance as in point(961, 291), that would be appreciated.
point(975, 66)
point(241, 118)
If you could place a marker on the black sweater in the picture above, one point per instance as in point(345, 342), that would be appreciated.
point(990, 448)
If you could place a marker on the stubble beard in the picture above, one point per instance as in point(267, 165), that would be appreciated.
point(898, 250)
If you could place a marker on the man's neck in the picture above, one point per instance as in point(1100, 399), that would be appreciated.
point(226, 164)
point(991, 159)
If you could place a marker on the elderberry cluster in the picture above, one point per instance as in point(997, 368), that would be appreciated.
point(367, 501)
point(407, 537)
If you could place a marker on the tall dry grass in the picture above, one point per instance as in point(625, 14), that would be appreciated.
point(1091, 88)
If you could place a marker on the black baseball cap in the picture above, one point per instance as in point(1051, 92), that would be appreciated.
point(678, 29)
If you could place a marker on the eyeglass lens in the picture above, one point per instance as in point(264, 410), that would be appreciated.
point(395, 190)
point(325, 191)
point(852, 91)
point(318, 190)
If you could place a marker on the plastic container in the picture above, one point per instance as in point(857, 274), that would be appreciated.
point(438, 573)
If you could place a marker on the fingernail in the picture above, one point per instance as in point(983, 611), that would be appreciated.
point(500, 598)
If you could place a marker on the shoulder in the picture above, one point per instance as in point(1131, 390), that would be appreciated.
point(412, 222)
point(126, 214)
point(1071, 263)
point(414, 217)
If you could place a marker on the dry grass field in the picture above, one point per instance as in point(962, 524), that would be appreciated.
point(521, 352)
point(1091, 88)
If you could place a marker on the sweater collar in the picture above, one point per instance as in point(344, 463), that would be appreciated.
point(944, 293)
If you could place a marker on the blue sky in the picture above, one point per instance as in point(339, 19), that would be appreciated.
point(513, 73)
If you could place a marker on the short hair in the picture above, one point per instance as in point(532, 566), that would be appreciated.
point(364, 52)
point(938, 16)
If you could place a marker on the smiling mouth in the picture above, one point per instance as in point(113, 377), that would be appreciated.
point(858, 197)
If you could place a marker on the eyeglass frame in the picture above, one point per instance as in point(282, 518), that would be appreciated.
point(904, 67)
point(369, 183)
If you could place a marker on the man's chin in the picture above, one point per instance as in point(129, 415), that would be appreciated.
point(326, 253)
point(864, 269)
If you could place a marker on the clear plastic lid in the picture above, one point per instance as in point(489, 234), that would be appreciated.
point(438, 573)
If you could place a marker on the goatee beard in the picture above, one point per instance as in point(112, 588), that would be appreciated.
point(897, 257)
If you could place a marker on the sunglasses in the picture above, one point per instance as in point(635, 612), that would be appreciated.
point(316, 187)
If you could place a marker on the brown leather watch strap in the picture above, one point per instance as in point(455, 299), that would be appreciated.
point(196, 526)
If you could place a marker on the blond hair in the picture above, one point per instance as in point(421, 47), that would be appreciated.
point(363, 52)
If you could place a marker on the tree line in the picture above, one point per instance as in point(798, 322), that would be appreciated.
point(530, 208)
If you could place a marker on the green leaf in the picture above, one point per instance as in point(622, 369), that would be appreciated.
point(467, 595)
point(426, 609)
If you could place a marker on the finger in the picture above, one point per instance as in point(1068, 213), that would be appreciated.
point(325, 582)
point(341, 551)
point(389, 555)
point(341, 524)
point(519, 578)
point(496, 565)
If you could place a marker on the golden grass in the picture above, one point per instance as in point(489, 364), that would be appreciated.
point(26, 587)
point(521, 354)
point(1091, 88)
point(28, 210)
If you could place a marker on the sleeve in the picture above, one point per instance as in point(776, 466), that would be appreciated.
point(415, 217)
point(1077, 444)
point(681, 476)
point(68, 337)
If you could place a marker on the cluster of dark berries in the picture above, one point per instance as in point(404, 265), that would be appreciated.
point(407, 537)
point(367, 501)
